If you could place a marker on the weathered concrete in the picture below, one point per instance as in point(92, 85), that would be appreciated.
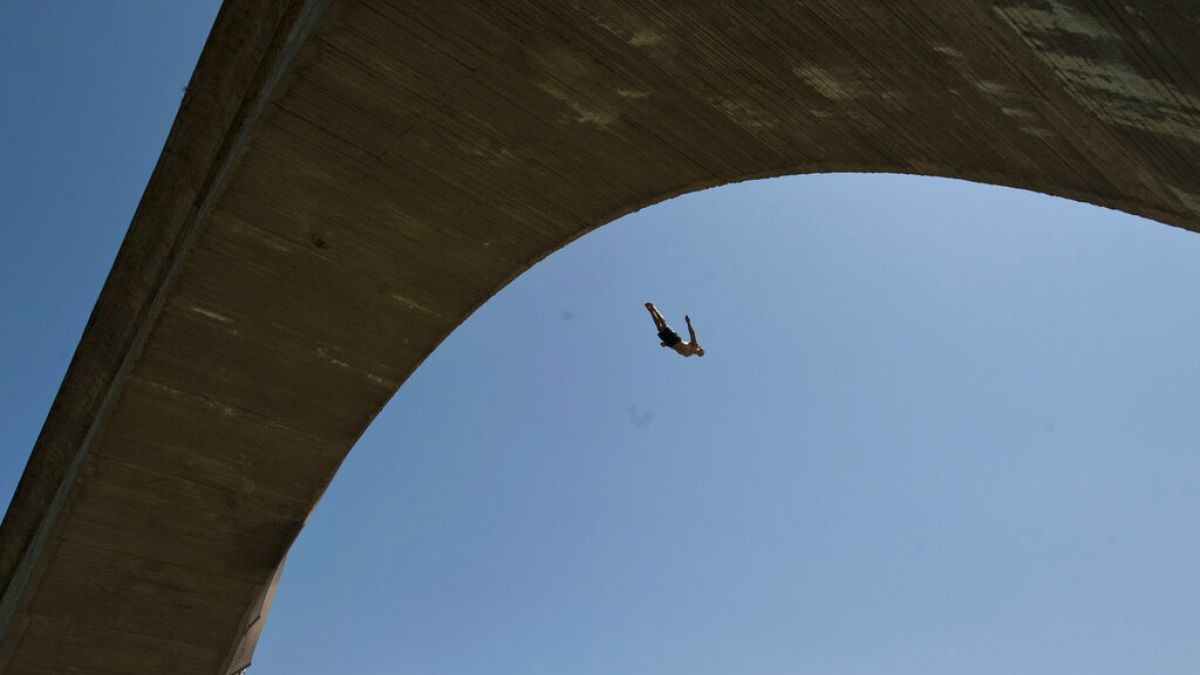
point(344, 185)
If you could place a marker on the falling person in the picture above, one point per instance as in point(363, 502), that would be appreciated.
point(670, 338)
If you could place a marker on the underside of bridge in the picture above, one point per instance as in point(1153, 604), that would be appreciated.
point(347, 180)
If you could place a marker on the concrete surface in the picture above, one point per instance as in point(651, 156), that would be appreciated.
point(347, 181)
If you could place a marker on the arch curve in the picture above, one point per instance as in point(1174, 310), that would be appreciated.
point(347, 180)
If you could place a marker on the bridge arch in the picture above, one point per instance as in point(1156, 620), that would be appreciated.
point(346, 181)
point(578, 449)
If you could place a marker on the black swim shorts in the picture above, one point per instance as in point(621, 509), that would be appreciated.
point(669, 337)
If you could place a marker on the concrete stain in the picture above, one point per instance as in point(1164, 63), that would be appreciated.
point(826, 84)
point(645, 38)
point(585, 112)
point(211, 314)
point(1053, 16)
point(1110, 88)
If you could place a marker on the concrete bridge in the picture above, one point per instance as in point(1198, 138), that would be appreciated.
point(346, 181)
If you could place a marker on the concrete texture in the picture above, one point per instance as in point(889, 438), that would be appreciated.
point(344, 184)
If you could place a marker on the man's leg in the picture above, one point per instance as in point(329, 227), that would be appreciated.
point(659, 322)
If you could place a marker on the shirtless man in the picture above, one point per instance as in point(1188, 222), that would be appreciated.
point(670, 338)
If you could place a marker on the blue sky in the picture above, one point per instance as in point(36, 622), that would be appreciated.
point(941, 426)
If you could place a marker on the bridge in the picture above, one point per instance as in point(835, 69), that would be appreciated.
point(347, 180)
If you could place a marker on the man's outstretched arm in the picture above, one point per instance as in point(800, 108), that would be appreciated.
point(691, 331)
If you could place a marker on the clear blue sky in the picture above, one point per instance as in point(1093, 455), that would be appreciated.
point(941, 427)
